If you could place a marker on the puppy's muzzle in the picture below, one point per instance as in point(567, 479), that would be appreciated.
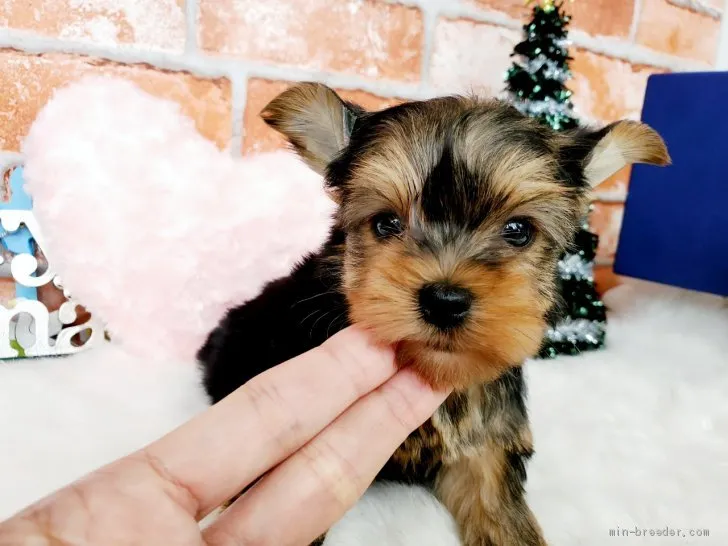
point(444, 305)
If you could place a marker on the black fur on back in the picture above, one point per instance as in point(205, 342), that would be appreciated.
point(292, 315)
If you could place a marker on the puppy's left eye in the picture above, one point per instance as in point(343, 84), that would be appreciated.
point(386, 225)
point(518, 232)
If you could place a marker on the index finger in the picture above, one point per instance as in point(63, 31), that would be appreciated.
point(220, 452)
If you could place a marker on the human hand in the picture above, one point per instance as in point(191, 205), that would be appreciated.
point(313, 431)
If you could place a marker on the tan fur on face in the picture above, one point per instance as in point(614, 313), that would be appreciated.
point(513, 167)
point(505, 327)
point(391, 174)
point(382, 278)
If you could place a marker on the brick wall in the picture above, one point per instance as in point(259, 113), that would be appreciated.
point(222, 60)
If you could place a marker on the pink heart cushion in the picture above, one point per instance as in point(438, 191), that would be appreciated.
point(153, 228)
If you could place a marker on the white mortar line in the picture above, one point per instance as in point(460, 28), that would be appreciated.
point(721, 58)
point(432, 11)
point(698, 7)
point(636, 16)
point(605, 45)
point(239, 72)
point(211, 66)
point(633, 53)
point(127, 54)
point(206, 66)
point(453, 10)
point(239, 81)
point(191, 15)
point(384, 88)
point(613, 197)
point(430, 16)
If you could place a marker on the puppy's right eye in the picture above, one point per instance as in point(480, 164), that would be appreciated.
point(386, 225)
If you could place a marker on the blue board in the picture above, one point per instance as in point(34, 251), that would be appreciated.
point(675, 227)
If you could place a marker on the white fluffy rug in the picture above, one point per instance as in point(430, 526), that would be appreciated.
point(631, 438)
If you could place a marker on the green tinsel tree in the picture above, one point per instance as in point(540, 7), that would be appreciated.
point(536, 84)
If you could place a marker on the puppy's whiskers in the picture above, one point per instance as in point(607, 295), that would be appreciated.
point(341, 315)
point(313, 326)
point(325, 293)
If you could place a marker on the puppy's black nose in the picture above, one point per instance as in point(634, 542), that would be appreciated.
point(444, 305)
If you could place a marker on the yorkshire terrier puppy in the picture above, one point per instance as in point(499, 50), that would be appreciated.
point(452, 215)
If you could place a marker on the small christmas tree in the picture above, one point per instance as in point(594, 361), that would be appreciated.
point(536, 83)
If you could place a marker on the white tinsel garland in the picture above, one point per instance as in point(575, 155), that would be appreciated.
point(547, 106)
point(574, 330)
point(573, 266)
point(552, 71)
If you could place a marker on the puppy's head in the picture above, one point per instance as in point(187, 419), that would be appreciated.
point(455, 211)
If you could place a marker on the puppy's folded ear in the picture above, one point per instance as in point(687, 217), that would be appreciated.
point(314, 119)
point(604, 152)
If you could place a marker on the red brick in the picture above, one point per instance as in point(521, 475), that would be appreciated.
point(515, 8)
point(617, 183)
point(606, 221)
point(607, 89)
point(678, 31)
point(154, 24)
point(602, 17)
point(29, 80)
point(372, 38)
point(597, 17)
point(261, 138)
point(7, 290)
point(605, 278)
point(470, 56)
